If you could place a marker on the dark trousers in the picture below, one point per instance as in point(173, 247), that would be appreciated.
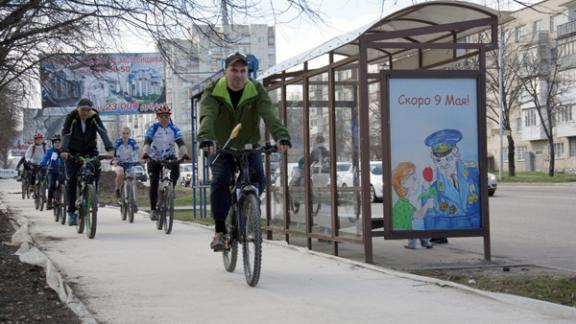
point(222, 176)
point(52, 177)
point(72, 174)
point(154, 169)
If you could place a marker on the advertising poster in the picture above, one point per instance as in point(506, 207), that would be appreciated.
point(434, 154)
point(117, 84)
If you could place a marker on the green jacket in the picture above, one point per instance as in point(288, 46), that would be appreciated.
point(218, 117)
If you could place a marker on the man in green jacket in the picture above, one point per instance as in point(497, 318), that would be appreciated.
point(228, 101)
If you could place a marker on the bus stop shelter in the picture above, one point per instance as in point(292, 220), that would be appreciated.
point(335, 101)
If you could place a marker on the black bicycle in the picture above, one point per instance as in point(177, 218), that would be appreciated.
point(87, 200)
point(39, 187)
point(166, 194)
point(243, 221)
point(59, 201)
point(26, 177)
point(128, 193)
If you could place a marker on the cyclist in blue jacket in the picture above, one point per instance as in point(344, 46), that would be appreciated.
point(125, 150)
point(55, 165)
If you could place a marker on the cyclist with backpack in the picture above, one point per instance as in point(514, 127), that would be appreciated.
point(79, 133)
point(55, 165)
point(34, 155)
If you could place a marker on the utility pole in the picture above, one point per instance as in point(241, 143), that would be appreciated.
point(501, 95)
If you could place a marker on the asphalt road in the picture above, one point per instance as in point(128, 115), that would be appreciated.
point(535, 224)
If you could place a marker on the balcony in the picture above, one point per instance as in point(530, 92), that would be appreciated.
point(567, 29)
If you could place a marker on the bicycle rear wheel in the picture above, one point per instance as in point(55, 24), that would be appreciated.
point(92, 211)
point(252, 238)
point(168, 209)
point(230, 256)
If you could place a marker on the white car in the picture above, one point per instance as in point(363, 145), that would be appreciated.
point(185, 174)
point(8, 174)
point(376, 183)
point(492, 184)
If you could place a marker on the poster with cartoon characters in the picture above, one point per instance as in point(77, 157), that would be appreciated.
point(434, 154)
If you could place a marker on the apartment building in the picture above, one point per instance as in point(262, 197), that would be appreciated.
point(546, 31)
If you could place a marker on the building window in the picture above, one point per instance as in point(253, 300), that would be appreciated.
point(572, 145)
point(520, 33)
point(521, 153)
point(536, 27)
point(564, 114)
point(530, 117)
point(558, 150)
point(555, 21)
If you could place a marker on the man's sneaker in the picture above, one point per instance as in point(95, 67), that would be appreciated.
point(153, 215)
point(218, 243)
point(72, 219)
point(49, 204)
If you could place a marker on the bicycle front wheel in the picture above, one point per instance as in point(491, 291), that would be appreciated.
point(230, 256)
point(24, 186)
point(168, 213)
point(62, 204)
point(252, 238)
point(42, 191)
point(56, 204)
point(131, 205)
point(92, 211)
point(123, 202)
point(36, 196)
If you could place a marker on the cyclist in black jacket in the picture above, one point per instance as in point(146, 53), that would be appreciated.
point(79, 137)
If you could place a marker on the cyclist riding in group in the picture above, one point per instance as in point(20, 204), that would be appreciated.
point(125, 151)
point(79, 138)
point(55, 165)
point(34, 155)
point(159, 143)
point(226, 102)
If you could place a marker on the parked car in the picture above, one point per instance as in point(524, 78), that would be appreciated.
point(185, 174)
point(492, 184)
point(140, 173)
point(8, 174)
point(342, 168)
point(376, 185)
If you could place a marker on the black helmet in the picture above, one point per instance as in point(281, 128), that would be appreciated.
point(56, 137)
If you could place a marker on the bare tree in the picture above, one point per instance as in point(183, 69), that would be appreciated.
point(512, 89)
point(35, 29)
point(9, 98)
point(542, 82)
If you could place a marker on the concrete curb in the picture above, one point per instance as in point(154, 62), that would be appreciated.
point(30, 254)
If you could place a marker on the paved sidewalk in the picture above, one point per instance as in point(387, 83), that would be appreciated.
point(133, 273)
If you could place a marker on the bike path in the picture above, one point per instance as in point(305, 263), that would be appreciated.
point(133, 273)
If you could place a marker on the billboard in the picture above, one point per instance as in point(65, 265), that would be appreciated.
point(117, 84)
point(434, 172)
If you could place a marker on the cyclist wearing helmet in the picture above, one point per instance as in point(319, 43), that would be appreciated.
point(79, 137)
point(55, 165)
point(159, 145)
point(125, 150)
point(34, 155)
point(226, 102)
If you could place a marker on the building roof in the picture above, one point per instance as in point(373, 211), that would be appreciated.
point(420, 15)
